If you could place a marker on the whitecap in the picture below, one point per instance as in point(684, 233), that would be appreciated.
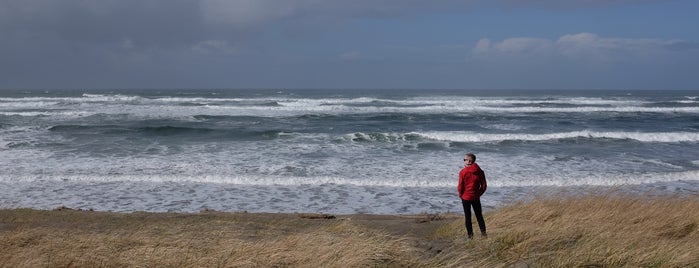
point(455, 136)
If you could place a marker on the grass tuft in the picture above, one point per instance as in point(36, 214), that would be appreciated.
point(605, 230)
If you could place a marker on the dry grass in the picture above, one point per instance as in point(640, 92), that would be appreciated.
point(66, 238)
point(589, 231)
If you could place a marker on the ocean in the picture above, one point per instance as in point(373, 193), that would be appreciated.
point(337, 151)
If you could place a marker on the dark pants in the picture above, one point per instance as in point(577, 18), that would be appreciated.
point(476, 204)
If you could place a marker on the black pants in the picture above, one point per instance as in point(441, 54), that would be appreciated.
point(476, 204)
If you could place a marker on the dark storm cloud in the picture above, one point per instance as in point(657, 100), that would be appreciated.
point(142, 23)
point(164, 23)
point(242, 43)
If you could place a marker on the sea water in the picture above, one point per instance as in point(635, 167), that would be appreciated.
point(337, 151)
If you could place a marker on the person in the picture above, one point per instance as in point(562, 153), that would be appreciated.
point(472, 185)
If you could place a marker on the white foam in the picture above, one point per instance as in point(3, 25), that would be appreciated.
point(57, 114)
point(20, 129)
point(509, 127)
point(237, 180)
point(38, 99)
point(27, 105)
point(381, 137)
point(662, 163)
point(296, 108)
point(110, 98)
point(455, 136)
point(586, 109)
point(298, 101)
point(599, 180)
point(164, 107)
point(519, 180)
point(327, 198)
point(452, 105)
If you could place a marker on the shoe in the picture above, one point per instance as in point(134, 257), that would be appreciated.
point(484, 235)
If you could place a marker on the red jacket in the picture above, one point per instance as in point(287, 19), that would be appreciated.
point(472, 182)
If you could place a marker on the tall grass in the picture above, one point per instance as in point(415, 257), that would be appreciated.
point(588, 231)
point(67, 238)
point(583, 231)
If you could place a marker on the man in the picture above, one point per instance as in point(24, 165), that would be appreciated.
point(472, 185)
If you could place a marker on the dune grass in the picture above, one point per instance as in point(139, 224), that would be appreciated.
point(585, 231)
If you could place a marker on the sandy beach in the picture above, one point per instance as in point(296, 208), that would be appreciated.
point(588, 231)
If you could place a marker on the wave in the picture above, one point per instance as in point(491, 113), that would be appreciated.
point(354, 102)
point(381, 137)
point(167, 106)
point(321, 100)
point(666, 137)
point(26, 137)
point(227, 134)
point(174, 130)
point(27, 105)
point(111, 98)
point(153, 130)
point(514, 181)
point(457, 136)
point(168, 130)
point(134, 99)
point(600, 180)
point(52, 113)
point(283, 111)
point(629, 109)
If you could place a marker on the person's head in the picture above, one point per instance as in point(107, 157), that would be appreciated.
point(469, 159)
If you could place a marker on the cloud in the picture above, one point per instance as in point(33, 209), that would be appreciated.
point(583, 60)
point(681, 45)
point(214, 46)
point(168, 23)
point(121, 43)
point(147, 23)
point(248, 13)
point(583, 46)
point(581, 43)
point(517, 45)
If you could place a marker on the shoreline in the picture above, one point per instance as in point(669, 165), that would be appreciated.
point(590, 230)
point(273, 199)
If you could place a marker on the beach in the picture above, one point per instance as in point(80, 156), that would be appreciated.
point(603, 230)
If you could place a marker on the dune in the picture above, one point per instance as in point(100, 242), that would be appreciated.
point(602, 230)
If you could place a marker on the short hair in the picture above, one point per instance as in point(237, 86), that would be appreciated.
point(472, 156)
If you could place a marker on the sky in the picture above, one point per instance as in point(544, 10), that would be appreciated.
point(349, 44)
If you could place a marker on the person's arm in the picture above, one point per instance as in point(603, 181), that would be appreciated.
point(461, 183)
point(484, 183)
